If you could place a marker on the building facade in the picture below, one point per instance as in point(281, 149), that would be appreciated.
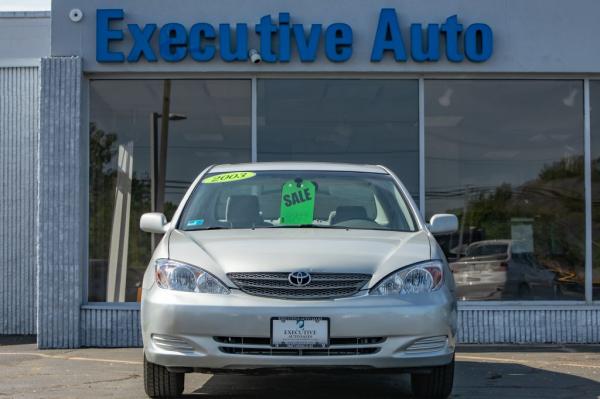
point(484, 109)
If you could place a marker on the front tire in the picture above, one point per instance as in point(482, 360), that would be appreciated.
point(435, 385)
point(160, 382)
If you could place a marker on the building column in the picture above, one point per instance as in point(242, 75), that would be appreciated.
point(61, 214)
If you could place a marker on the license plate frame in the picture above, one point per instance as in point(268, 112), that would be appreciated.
point(321, 342)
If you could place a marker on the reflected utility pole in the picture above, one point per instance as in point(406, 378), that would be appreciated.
point(463, 221)
point(163, 144)
point(159, 145)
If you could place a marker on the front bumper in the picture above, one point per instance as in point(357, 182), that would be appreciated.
point(179, 330)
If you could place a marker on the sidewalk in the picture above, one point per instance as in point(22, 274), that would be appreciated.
point(482, 372)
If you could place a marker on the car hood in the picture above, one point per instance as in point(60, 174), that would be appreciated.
point(290, 249)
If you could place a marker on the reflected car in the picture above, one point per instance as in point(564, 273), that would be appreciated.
point(281, 267)
point(500, 269)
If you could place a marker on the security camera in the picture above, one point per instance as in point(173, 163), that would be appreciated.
point(255, 57)
point(75, 15)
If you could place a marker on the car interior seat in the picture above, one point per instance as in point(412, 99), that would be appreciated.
point(243, 211)
point(349, 212)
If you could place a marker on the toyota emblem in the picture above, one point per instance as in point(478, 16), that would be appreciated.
point(299, 279)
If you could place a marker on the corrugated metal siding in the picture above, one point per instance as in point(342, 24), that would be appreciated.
point(19, 129)
point(109, 328)
point(529, 325)
point(113, 327)
point(60, 215)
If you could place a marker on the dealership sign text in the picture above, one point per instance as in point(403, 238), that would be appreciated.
point(204, 42)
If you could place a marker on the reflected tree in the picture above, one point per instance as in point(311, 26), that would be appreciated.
point(553, 204)
point(103, 175)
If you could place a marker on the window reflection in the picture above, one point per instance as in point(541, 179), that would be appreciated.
point(341, 120)
point(507, 158)
point(595, 156)
point(208, 122)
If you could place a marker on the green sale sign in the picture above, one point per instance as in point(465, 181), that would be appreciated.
point(297, 202)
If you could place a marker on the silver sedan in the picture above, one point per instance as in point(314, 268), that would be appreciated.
point(278, 267)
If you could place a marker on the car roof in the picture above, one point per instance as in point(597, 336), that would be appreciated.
point(312, 166)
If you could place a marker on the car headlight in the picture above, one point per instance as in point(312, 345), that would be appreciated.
point(419, 278)
point(179, 276)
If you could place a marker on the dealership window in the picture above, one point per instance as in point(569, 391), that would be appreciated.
point(208, 122)
point(595, 157)
point(506, 156)
point(369, 121)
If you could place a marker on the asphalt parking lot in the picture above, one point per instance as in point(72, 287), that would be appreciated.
point(482, 372)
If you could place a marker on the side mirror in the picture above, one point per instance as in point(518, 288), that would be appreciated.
point(443, 223)
point(154, 222)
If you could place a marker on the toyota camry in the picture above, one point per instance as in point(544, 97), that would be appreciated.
point(283, 267)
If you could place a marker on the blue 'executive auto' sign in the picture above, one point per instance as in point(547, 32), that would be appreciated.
point(176, 42)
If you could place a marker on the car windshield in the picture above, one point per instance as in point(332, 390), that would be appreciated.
point(487, 249)
point(297, 199)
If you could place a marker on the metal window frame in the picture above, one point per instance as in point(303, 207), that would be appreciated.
point(420, 77)
point(587, 159)
point(422, 147)
point(254, 123)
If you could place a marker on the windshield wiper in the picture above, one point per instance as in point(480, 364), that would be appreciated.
point(280, 226)
point(306, 226)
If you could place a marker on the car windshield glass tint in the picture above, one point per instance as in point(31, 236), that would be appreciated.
point(297, 199)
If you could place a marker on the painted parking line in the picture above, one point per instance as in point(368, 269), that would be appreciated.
point(523, 361)
point(61, 357)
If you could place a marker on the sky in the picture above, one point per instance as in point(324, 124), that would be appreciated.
point(24, 5)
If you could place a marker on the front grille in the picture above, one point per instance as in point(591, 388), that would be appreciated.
point(321, 286)
point(267, 341)
point(297, 352)
point(261, 347)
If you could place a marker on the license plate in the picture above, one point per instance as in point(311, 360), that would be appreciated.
point(300, 332)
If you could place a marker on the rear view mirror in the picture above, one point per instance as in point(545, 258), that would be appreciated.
point(443, 223)
point(153, 222)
